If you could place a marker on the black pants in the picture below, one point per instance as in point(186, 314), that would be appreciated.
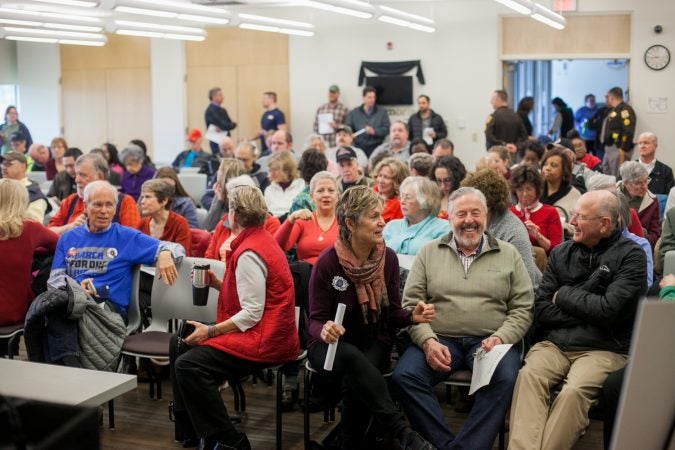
point(611, 393)
point(364, 390)
point(196, 374)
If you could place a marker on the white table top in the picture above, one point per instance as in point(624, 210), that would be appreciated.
point(59, 384)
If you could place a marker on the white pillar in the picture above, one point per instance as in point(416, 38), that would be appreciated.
point(169, 109)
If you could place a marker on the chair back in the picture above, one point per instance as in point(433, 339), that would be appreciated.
point(134, 309)
point(201, 214)
point(175, 302)
point(194, 184)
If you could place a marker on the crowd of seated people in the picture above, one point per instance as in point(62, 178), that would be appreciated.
point(535, 248)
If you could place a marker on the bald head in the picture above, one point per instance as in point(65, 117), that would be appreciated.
point(226, 147)
point(39, 153)
point(596, 216)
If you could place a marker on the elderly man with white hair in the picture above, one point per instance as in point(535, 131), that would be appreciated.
point(634, 185)
point(660, 175)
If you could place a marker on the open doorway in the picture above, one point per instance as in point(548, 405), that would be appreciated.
point(569, 79)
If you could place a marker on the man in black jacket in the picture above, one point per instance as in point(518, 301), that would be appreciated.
point(584, 307)
point(660, 175)
point(426, 119)
point(217, 115)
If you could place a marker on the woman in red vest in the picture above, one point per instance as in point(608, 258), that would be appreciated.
point(255, 326)
point(362, 273)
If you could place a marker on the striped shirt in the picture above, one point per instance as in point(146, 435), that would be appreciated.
point(467, 260)
point(339, 112)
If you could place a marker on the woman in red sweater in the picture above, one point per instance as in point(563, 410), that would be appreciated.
point(20, 238)
point(390, 173)
point(542, 221)
point(312, 231)
point(158, 220)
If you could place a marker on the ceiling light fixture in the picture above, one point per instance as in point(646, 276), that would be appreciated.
point(174, 10)
point(32, 39)
point(157, 34)
point(4, 12)
point(274, 20)
point(78, 42)
point(158, 26)
point(398, 12)
point(517, 6)
point(168, 4)
point(55, 33)
point(65, 26)
point(406, 23)
point(271, 29)
point(79, 3)
point(537, 12)
point(336, 9)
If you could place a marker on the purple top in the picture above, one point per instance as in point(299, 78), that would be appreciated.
point(131, 184)
point(329, 285)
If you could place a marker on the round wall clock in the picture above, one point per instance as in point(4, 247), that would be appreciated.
point(657, 57)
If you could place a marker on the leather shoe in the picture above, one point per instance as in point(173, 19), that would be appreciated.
point(239, 443)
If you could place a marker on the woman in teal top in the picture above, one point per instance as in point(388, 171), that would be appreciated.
point(420, 203)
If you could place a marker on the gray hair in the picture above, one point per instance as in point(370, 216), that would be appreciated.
point(632, 171)
point(311, 137)
point(427, 193)
point(422, 163)
point(97, 161)
point(651, 136)
point(134, 153)
point(98, 185)
point(624, 210)
point(241, 180)
point(322, 175)
point(463, 192)
point(213, 92)
point(600, 182)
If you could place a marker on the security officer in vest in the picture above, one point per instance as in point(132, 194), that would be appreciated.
point(14, 167)
point(617, 132)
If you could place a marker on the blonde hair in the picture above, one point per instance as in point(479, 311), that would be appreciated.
point(13, 206)
point(248, 204)
point(229, 168)
point(353, 205)
point(398, 168)
point(286, 162)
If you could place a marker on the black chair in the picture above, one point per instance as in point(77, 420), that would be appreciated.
point(12, 333)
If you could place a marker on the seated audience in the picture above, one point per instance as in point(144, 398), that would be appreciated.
point(312, 162)
point(589, 160)
point(499, 159)
point(316, 142)
point(229, 168)
point(585, 310)
point(158, 219)
point(112, 158)
point(530, 152)
point(312, 231)
point(41, 158)
point(483, 297)
point(255, 327)
point(501, 223)
point(181, 202)
point(19, 144)
point(418, 145)
point(284, 183)
point(223, 234)
point(20, 238)
point(350, 171)
point(390, 173)
point(361, 273)
point(558, 192)
point(608, 183)
point(625, 216)
point(245, 152)
point(398, 145)
point(542, 221)
point(633, 184)
point(667, 237)
point(448, 172)
point(670, 202)
point(58, 148)
point(420, 203)
point(344, 138)
point(113, 177)
point(147, 161)
point(193, 156)
point(443, 147)
point(420, 164)
point(14, 168)
point(64, 182)
point(280, 141)
point(660, 175)
point(135, 172)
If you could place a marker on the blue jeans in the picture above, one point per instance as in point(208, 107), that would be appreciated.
point(414, 383)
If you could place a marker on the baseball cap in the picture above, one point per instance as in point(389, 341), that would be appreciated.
point(334, 88)
point(345, 128)
point(18, 136)
point(345, 153)
point(14, 156)
point(194, 134)
point(564, 142)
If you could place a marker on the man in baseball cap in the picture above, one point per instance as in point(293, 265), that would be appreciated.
point(350, 171)
point(14, 167)
point(193, 156)
point(330, 116)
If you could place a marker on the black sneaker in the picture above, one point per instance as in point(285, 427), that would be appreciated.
point(413, 441)
point(240, 443)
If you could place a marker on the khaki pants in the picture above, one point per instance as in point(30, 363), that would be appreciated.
point(613, 159)
point(534, 425)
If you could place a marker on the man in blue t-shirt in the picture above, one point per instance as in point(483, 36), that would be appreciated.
point(581, 121)
point(272, 119)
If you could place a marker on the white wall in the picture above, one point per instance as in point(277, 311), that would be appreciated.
point(39, 74)
point(8, 65)
point(167, 59)
point(459, 61)
point(573, 80)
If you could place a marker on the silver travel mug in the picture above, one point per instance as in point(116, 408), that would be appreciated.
point(200, 288)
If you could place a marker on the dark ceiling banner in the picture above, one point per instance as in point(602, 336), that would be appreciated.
point(390, 68)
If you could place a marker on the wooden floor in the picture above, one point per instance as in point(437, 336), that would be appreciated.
point(142, 423)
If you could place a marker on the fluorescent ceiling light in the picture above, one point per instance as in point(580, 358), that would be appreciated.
point(80, 3)
point(65, 26)
point(156, 34)
point(336, 9)
point(69, 17)
point(406, 14)
point(56, 33)
point(517, 5)
point(27, 23)
point(548, 17)
point(292, 23)
point(76, 42)
point(406, 23)
point(168, 4)
point(158, 26)
point(145, 12)
point(271, 29)
point(545, 20)
point(195, 18)
point(32, 39)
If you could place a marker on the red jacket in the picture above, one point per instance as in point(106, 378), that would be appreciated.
point(221, 233)
point(274, 339)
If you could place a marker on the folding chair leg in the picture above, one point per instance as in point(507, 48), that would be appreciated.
point(305, 411)
point(502, 439)
point(111, 414)
point(279, 418)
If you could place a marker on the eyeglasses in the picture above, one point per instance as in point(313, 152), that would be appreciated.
point(442, 181)
point(639, 183)
point(577, 216)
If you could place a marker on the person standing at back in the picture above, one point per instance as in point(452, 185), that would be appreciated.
point(369, 122)
point(217, 115)
point(504, 126)
point(338, 110)
point(272, 119)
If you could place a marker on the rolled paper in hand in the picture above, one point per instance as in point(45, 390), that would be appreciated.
point(332, 348)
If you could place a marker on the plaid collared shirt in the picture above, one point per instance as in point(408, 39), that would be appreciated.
point(467, 260)
point(339, 111)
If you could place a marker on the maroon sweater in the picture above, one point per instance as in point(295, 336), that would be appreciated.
point(325, 293)
point(15, 276)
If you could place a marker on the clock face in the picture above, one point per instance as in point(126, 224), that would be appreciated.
point(657, 57)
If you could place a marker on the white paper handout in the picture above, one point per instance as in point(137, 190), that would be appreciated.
point(426, 135)
point(214, 135)
point(325, 120)
point(484, 365)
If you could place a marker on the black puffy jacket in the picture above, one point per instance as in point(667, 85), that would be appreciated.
point(598, 292)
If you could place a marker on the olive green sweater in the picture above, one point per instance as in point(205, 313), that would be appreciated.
point(494, 298)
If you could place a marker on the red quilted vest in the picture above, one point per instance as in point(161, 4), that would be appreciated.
point(274, 339)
